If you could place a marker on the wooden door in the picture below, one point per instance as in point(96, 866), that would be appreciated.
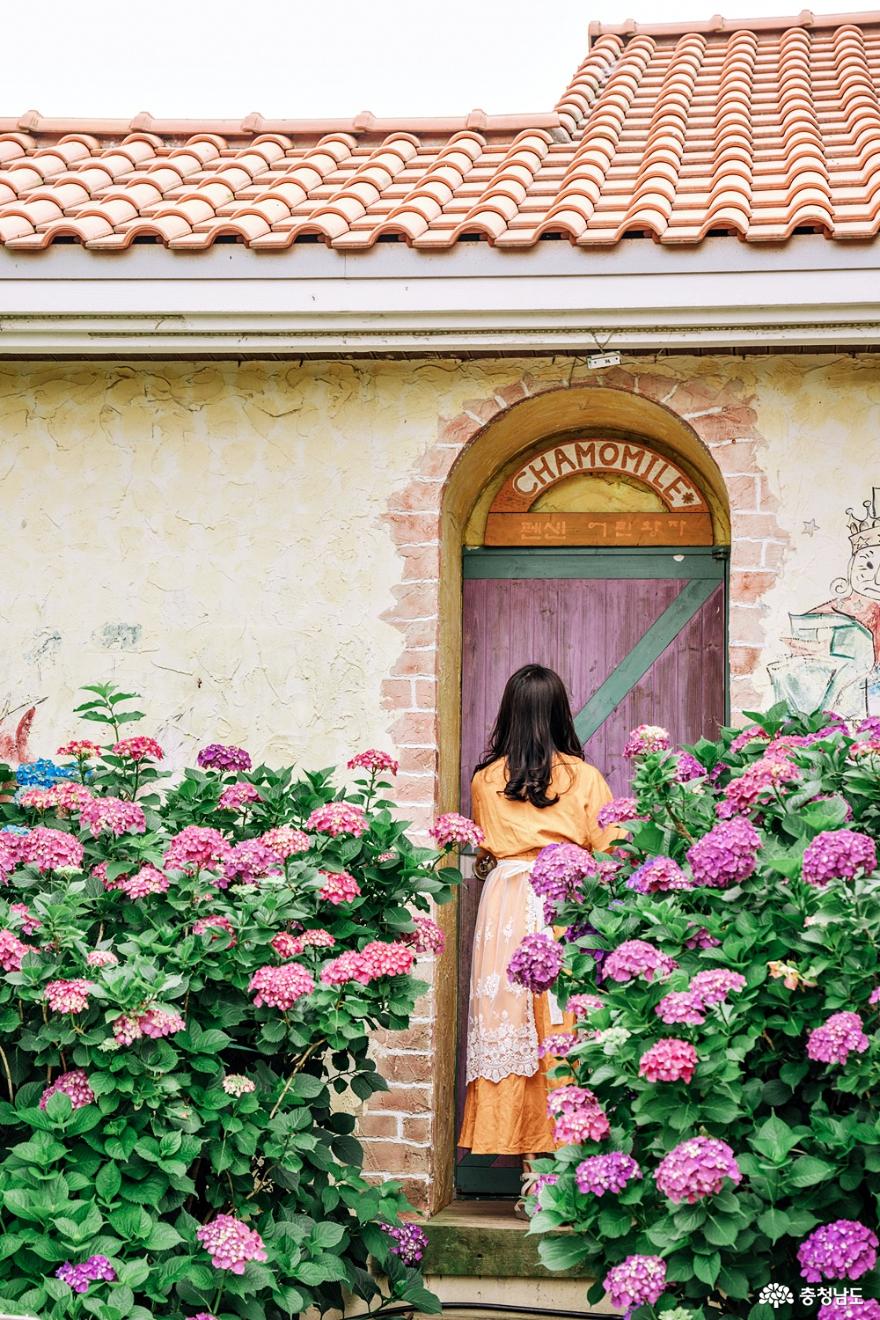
point(637, 636)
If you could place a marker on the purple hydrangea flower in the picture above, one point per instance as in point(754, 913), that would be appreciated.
point(80, 1276)
point(715, 984)
point(618, 812)
point(844, 1249)
point(689, 768)
point(637, 958)
point(658, 875)
point(870, 726)
point(599, 1174)
point(559, 871)
point(577, 1115)
point(859, 1308)
point(838, 855)
point(536, 963)
point(636, 1281)
point(680, 1006)
point(217, 757)
point(408, 1242)
point(837, 1038)
point(727, 855)
point(696, 1168)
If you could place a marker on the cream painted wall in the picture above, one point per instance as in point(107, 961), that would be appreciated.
point(211, 534)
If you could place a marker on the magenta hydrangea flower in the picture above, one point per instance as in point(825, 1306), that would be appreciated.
point(126, 1029)
point(50, 850)
point(700, 938)
point(281, 987)
point(408, 1242)
point(68, 796)
point(75, 1085)
point(758, 781)
point(577, 1115)
point(218, 925)
point(195, 848)
point(688, 768)
point(837, 1038)
point(381, 958)
point(203, 1315)
point(82, 748)
point(231, 1244)
point(158, 1021)
point(599, 1174)
point(287, 945)
point(349, 966)
point(874, 996)
point(727, 855)
point(247, 862)
point(139, 748)
point(374, 762)
point(844, 1249)
point(680, 1006)
point(68, 996)
point(285, 841)
point(79, 1277)
point(455, 831)
point(857, 1308)
point(112, 815)
point(335, 818)
point(750, 734)
point(25, 918)
point(583, 1005)
point(644, 739)
point(838, 855)
point(218, 757)
point(637, 958)
point(236, 796)
point(658, 875)
point(669, 1060)
point(696, 1168)
point(715, 984)
point(427, 938)
point(338, 887)
point(559, 870)
point(557, 1045)
point(12, 950)
point(870, 725)
point(636, 1281)
point(619, 811)
point(536, 963)
point(101, 958)
point(148, 880)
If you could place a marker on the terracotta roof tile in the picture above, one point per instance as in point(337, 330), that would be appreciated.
point(668, 131)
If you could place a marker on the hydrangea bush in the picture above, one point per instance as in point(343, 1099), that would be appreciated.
point(190, 971)
point(718, 1097)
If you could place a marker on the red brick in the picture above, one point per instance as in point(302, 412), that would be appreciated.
point(695, 396)
point(725, 425)
point(746, 626)
point(421, 563)
point(737, 456)
point(744, 554)
point(398, 693)
point(767, 499)
point(416, 1129)
point(458, 430)
point(744, 659)
point(414, 727)
point(743, 492)
point(372, 1125)
point(415, 1100)
point(656, 387)
point(421, 817)
point(425, 691)
point(417, 600)
point(773, 554)
point(417, 1036)
point(414, 788)
point(417, 497)
point(438, 460)
point(484, 409)
point(615, 378)
point(396, 1157)
point(418, 758)
point(747, 588)
point(407, 1068)
point(510, 394)
point(757, 526)
point(413, 528)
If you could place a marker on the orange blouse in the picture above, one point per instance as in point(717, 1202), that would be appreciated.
point(517, 829)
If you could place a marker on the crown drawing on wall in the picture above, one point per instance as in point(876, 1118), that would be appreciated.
point(865, 531)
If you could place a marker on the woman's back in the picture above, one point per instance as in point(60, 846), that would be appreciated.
point(519, 829)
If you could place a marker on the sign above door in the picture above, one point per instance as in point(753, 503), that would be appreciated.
point(598, 491)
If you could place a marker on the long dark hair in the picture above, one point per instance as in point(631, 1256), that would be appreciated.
point(534, 722)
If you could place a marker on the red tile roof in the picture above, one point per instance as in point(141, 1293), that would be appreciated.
point(753, 128)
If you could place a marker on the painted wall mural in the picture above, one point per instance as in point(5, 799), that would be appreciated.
point(834, 659)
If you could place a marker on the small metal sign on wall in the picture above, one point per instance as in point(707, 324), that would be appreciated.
point(680, 515)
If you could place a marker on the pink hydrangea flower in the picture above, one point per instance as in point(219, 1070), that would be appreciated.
point(696, 1168)
point(335, 818)
point(68, 996)
point(50, 850)
point(338, 887)
point(70, 797)
point(715, 984)
point(837, 1038)
point(239, 795)
point(758, 781)
point(37, 799)
point(727, 855)
point(158, 1021)
point(427, 938)
point(11, 853)
point(25, 918)
point(349, 966)
point(700, 938)
point(112, 815)
point(535, 963)
point(688, 768)
point(453, 830)
point(658, 875)
point(618, 812)
point(230, 1243)
point(82, 748)
point(218, 757)
point(374, 762)
point(844, 1249)
point(281, 987)
point(582, 1005)
point(101, 958)
point(838, 855)
point(387, 959)
point(126, 1029)
point(599, 1174)
point(284, 841)
point(247, 862)
point(636, 1281)
point(218, 925)
point(238, 1085)
point(857, 1308)
point(559, 871)
point(577, 1115)
point(287, 945)
point(195, 848)
point(100, 873)
point(148, 880)
point(669, 1060)
point(644, 739)
point(139, 748)
point(681, 1006)
point(75, 1085)
point(874, 996)
point(753, 733)
point(637, 958)
point(557, 1045)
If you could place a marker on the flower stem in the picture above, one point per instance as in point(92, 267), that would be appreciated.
point(298, 1067)
point(6, 1070)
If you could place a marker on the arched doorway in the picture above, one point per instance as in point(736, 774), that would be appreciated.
point(599, 550)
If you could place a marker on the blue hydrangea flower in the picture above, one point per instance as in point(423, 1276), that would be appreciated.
point(43, 773)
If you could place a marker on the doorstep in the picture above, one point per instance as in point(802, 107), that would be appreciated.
point(485, 1239)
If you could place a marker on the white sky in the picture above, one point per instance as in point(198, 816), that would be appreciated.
point(305, 58)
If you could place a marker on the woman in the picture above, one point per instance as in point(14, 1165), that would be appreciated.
point(532, 788)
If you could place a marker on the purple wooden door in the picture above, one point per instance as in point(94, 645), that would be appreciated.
point(595, 630)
